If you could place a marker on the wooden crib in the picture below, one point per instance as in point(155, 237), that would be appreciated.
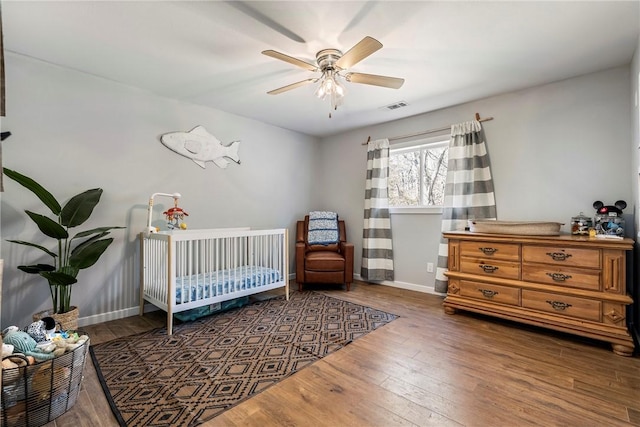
point(186, 269)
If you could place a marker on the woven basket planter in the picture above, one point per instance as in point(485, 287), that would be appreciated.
point(34, 395)
point(68, 321)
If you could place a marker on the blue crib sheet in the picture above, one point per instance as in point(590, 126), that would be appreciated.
point(223, 282)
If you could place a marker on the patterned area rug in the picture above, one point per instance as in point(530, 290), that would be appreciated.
point(211, 364)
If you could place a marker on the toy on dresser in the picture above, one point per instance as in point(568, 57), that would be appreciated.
point(608, 220)
point(581, 225)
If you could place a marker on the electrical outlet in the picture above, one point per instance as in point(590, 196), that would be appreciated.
point(429, 267)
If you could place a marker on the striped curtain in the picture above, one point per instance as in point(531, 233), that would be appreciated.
point(377, 251)
point(469, 188)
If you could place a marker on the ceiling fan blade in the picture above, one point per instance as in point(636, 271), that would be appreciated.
point(290, 59)
point(373, 79)
point(291, 86)
point(361, 50)
point(253, 12)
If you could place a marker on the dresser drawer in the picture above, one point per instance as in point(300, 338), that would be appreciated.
point(581, 308)
point(489, 292)
point(503, 251)
point(562, 276)
point(490, 267)
point(559, 255)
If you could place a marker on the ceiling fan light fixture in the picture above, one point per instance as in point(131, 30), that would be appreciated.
point(340, 89)
point(330, 86)
point(321, 90)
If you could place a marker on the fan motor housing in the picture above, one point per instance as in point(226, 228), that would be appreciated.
point(327, 58)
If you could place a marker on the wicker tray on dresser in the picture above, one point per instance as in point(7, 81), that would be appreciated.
point(573, 284)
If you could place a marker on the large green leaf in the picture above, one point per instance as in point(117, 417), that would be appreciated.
point(48, 226)
point(87, 242)
point(89, 254)
point(77, 210)
point(101, 230)
point(36, 269)
point(45, 196)
point(42, 248)
point(57, 278)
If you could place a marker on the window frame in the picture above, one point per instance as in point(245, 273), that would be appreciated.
point(434, 141)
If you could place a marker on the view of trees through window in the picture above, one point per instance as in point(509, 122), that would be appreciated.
point(417, 175)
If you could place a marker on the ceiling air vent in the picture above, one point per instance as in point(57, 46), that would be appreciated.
point(397, 105)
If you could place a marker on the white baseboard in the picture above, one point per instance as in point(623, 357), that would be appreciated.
point(113, 315)
point(405, 285)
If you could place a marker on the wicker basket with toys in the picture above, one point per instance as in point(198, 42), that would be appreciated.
point(41, 373)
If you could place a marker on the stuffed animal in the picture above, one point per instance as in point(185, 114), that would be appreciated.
point(9, 373)
point(7, 349)
point(25, 344)
point(8, 329)
point(69, 343)
point(41, 328)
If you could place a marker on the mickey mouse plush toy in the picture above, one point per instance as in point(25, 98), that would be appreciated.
point(609, 218)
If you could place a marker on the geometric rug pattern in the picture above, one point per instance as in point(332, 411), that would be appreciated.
point(211, 364)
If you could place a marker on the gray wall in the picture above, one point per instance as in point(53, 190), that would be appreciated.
point(72, 131)
point(554, 150)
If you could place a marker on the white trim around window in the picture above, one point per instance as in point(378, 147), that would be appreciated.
point(417, 210)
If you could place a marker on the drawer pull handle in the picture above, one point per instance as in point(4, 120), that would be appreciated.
point(559, 277)
point(559, 256)
point(488, 268)
point(487, 293)
point(488, 251)
point(559, 305)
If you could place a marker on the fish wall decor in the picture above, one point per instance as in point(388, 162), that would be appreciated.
point(201, 147)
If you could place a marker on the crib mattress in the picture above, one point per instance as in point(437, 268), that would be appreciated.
point(223, 282)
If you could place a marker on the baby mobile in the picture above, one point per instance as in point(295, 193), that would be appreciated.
point(175, 216)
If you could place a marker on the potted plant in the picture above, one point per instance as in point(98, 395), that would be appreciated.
point(72, 253)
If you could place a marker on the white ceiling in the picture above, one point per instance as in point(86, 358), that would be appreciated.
point(209, 52)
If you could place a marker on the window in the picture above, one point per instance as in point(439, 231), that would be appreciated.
point(417, 173)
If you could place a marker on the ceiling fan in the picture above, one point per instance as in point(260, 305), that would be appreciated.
point(334, 65)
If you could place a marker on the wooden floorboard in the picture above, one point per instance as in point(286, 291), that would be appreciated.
point(426, 368)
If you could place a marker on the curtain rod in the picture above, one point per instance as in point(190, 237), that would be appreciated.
point(486, 119)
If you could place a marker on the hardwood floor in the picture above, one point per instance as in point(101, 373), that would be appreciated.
point(426, 368)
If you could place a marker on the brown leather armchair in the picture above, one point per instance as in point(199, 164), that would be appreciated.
point(323, 263)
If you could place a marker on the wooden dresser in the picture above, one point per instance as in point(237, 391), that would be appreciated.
point(573, 284)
